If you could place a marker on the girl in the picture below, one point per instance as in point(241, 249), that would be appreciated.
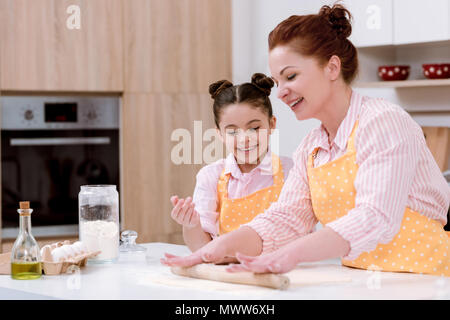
point(234, 190)
point(365, 173)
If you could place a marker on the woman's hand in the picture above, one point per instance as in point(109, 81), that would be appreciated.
point(184, 212)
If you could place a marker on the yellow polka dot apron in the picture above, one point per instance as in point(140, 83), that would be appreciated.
point(235, 212)
point(421, 245)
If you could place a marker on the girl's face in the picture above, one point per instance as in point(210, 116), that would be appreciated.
point(245, 130)
point(302, 83)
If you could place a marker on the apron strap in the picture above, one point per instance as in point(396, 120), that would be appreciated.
point(277, 170)
point(311, 157)
point(222, 185)
point(351, 139)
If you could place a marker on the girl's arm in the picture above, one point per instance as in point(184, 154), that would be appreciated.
point(185, 214)
point(198, 214)
point(195, 237)
point(221, 249)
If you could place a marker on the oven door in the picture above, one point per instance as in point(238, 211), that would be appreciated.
point(47, 168)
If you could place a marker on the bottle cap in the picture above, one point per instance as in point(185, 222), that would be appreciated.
point(24, 208)
point(24, 204)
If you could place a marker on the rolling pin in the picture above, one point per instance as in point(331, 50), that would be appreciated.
point(218, 273)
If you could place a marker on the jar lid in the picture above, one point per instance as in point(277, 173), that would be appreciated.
point(87, 186)
point(128, 238)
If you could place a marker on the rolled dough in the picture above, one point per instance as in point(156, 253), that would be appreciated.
point(301, 276)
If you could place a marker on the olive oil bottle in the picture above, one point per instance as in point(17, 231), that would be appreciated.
point(25, 254)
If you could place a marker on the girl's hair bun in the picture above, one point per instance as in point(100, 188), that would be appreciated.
point(218, 86)
point(338, 18)
point(262, 82)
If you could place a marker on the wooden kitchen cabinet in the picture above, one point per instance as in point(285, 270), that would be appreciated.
point(1, 225)
point(438, 141)
point(150, 176)
point(176, 46)
point(173, 50)
point(39, 50)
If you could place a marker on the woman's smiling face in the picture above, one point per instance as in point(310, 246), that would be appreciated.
point(302, 83)
point(245, 130)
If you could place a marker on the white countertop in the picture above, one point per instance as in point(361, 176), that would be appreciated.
point(148, 279)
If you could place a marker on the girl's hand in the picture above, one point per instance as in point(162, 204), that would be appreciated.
point(280, 261)
point(184, 212)
point(213, 252)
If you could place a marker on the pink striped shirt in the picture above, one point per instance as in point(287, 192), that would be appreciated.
point(396, 169)
point(240, 185)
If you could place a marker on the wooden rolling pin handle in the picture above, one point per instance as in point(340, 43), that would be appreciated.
point(216, 273)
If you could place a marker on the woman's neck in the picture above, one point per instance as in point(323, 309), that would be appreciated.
point(336, 110)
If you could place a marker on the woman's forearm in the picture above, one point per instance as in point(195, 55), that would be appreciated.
point(320, 245)
point(195, 237)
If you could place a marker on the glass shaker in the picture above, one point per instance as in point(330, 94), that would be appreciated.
point(25, 254)
point(99, 221)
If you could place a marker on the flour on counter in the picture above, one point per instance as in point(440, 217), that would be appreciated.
point(100, 235)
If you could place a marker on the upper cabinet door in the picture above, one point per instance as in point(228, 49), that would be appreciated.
point(184, 53)
point(421, 21)
point(372, 22)
point(61, 45)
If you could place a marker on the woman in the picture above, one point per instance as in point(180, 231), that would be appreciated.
point(365, 173)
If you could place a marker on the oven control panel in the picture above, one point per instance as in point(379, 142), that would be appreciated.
point(59, 112)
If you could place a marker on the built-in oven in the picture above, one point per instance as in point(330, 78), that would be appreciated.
point(50, 146)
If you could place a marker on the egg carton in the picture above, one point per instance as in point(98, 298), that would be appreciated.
point(53, 264)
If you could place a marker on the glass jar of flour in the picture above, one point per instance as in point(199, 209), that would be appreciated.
point(99, 221)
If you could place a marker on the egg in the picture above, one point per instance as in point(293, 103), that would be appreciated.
point(80, 247)
point(58, 254)
point(75, 249)
point(69, 251)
